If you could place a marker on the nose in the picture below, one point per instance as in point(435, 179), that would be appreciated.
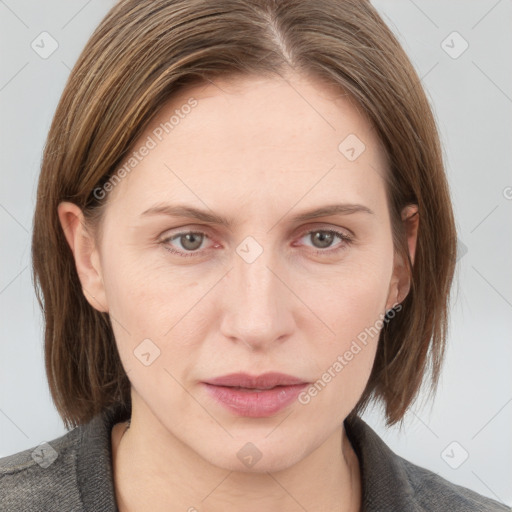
point(257, 305)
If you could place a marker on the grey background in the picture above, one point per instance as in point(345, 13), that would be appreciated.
point(472, 99)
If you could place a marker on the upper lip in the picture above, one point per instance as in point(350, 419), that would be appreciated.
point(264, 381)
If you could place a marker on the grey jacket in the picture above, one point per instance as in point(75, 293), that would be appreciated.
point(73, 473)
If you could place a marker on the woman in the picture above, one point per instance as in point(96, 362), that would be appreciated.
point(243, 235)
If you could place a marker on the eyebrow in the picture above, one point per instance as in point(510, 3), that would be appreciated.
point(213, 218)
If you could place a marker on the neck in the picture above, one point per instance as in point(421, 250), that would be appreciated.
point(152, 470)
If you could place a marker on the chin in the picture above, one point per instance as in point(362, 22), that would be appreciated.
point(258, 455)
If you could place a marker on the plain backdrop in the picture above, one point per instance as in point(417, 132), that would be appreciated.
point(461, 50)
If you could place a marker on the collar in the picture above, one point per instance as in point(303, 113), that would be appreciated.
point(384, 479)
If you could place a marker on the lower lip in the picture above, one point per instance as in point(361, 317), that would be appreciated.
point(255, 404)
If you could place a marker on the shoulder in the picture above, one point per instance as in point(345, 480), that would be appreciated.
point(391, 482)
point(72, 472)
point(42, 477)
point(433, 492)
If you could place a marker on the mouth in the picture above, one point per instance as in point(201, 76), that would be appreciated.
point(264, 381)
point(256, 390)
point(255, 396)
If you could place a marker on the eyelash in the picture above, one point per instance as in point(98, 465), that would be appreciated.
point(346, 240)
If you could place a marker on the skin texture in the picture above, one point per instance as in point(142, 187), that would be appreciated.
point(257, 151)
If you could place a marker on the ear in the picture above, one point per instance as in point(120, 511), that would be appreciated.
point(85, 253)
point(400, 281)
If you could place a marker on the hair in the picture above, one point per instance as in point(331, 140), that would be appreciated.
point(145, 51)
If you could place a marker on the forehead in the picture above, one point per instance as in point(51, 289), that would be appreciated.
point(274, 110)
point(255, 138)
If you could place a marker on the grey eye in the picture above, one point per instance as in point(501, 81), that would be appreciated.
point(190, 241)
point(322, 239)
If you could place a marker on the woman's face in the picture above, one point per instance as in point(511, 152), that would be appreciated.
point(273, 289)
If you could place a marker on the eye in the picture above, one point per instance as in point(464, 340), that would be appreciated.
point(323, 239)
point(190, 242)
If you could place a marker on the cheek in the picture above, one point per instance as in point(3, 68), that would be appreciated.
point(360, 303)
point(353, 297)
point(144, 294)
point(352, 303)
point(149, 301)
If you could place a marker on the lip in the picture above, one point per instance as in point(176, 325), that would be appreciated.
point(238, 392)
point(263, 381)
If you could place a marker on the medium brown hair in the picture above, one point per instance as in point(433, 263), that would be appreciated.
point(142, 53)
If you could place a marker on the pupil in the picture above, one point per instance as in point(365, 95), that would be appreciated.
point(324, 238)
point(189, 238)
